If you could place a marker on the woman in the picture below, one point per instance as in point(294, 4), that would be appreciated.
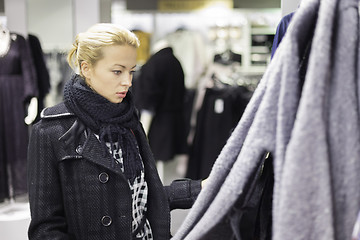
point(91, 171)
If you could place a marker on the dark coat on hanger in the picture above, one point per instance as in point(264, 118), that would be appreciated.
point(75, 193)
point(160, 88)
point(42, 73)
point(215, 127)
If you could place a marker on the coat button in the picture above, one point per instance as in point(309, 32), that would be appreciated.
point(103, 177)
point(106, 221)
point(79, 149)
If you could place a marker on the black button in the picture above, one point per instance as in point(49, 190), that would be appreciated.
point(79, 149)
point(103, 177)
point(106, 221)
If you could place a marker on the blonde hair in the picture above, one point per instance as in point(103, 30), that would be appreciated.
point(88, 45)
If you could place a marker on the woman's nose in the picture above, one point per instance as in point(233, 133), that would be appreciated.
point(127, 80)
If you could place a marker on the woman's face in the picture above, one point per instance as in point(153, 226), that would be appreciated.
point(111, 76)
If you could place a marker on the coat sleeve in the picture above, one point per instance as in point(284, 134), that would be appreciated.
point(45, 196)
point(182, 193)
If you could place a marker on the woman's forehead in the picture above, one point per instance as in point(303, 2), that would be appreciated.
point(119, 55)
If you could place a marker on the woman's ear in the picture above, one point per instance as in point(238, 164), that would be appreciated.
point(85, 69)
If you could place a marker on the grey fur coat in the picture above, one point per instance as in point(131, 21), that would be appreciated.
point(311, 127)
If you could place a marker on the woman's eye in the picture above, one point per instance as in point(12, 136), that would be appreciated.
point(132, 72)
point(116, 72)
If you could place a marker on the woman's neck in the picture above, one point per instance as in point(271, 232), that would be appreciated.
point(5, 41)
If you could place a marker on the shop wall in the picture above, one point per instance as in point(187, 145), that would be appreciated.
point(288, 6)
point(86, 13)
point(2, 9)
point(52, 22)
point(105, 11)
point(57, 22)
point(16, 15)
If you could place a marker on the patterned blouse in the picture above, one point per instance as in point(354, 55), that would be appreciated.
point(139, 191)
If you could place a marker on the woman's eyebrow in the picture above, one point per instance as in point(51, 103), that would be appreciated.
point(124, 66)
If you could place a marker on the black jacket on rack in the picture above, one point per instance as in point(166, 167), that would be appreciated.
point(221, 110)
point(42, 73)
point(160, 88)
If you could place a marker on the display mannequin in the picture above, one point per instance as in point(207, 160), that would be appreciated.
point(18, 91)
point(4, 40)
point(32, 111)
point(14, 211)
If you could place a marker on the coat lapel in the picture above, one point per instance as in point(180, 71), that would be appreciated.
point(93, 151)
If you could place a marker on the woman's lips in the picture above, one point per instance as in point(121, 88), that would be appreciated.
point(121, 94)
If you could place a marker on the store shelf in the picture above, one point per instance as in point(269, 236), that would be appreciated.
point(263, 30)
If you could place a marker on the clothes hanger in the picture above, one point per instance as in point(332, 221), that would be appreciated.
point(228, 57)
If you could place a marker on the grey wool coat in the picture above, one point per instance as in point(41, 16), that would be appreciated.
point(311, 127)
point(76, 193)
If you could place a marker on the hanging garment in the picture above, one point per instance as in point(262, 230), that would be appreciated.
point(190, 50)
point(228, 57)
point(250, 217)
point(221, 110)
point(42, 73)
point(160, 89)
point(17, 86)
point(280, 32)
point(311, 127)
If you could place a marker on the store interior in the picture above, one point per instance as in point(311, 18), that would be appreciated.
point(224, 47)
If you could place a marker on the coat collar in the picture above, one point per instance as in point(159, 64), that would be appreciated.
point(78, 142)
point(93, 151)
point(82, 143)
point(57, 111)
